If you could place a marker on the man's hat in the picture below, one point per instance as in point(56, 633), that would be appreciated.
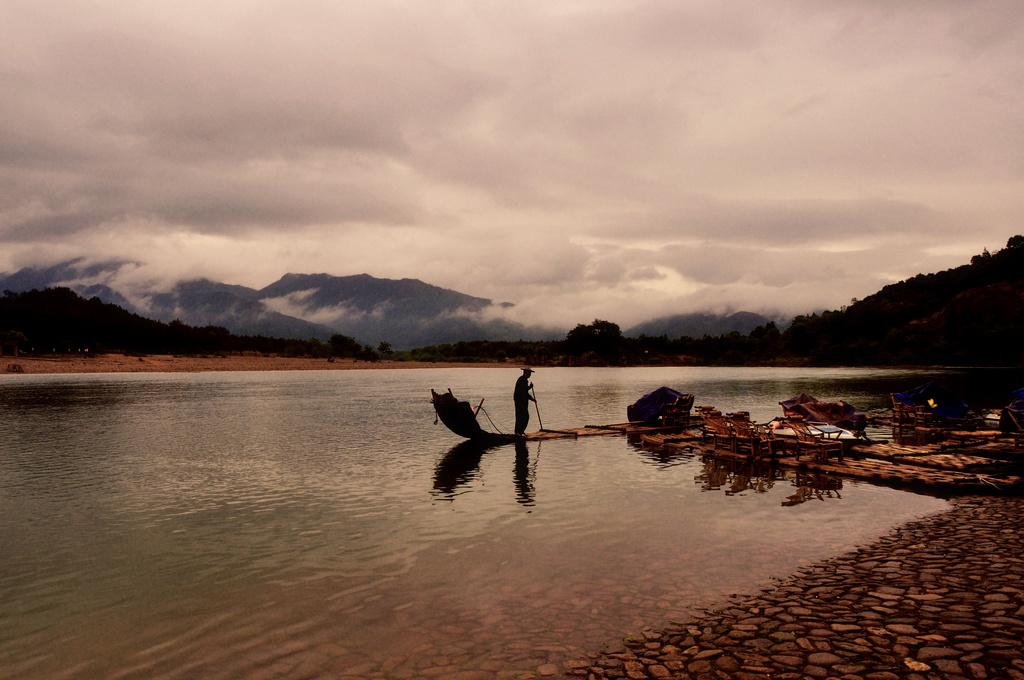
point(528, 370)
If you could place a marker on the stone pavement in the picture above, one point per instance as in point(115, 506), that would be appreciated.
point(942, 597)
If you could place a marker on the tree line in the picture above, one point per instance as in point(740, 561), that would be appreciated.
point(59, 321)
point(972, 315)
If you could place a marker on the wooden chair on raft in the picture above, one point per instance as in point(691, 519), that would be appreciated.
point(717, 429)
point(905, 415)
point(816, 442)
point(1011, 422)
point(750, 436)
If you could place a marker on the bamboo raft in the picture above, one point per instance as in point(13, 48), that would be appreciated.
point(462, 418)
point(629, 429)
point(982, 463)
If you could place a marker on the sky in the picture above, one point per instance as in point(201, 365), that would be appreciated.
point(582, 159)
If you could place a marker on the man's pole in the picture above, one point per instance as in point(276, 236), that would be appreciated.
point(539, 421)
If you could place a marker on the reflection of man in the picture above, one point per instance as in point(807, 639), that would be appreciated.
point(524, 485)
point(522, 399)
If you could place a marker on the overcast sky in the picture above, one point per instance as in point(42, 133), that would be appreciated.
point(582, 159)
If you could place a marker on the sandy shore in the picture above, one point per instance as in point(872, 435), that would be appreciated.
point(120, 363)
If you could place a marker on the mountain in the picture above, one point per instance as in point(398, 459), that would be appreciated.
point(201, 302)
point(84, 278)
point(406, 313)
point(969, 315)
point(698, 325)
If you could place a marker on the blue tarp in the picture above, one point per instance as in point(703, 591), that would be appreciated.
point(649, 406)
point(937, 399)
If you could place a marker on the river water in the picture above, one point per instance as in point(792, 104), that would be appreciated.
point(321, 524)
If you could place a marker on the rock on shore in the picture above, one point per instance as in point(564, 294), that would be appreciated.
point(942, 597)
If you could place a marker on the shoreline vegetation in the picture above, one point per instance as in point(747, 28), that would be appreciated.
point(167, 363)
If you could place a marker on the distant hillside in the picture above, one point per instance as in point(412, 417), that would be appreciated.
point(86, 279)
point(58, 320)
point(698, 325)
point(969, 315)
point(405, 313)
point(202, 302)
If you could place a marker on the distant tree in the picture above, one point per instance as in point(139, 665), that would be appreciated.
point(978, 259)
point(344, 346)
point(602, 338)
point(384, 349)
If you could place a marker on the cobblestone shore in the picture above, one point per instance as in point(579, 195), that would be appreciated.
point(942, 597)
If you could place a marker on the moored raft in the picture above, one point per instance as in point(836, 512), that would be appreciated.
point(994, 466)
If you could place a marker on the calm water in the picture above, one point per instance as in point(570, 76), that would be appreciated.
point(312, 523)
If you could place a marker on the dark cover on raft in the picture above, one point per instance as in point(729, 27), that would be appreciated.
point(937, 399)
point(650, 406)
point(838, 413)
point(458, 416)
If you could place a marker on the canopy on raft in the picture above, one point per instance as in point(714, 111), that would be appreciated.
point(650, 406)
point(937, 399)
point(458, 416)
point(838, 413)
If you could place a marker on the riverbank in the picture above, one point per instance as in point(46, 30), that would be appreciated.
point(165, 363)
point(942, 597)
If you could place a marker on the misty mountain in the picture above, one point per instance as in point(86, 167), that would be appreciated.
point(84, 279)
point(76, 270)
point(698, 325)
point(197, 303)
point(201, 302)
point(406, 313)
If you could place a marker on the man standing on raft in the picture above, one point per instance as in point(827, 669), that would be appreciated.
point(522, 399)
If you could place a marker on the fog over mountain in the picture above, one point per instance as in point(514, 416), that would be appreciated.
point(405, 313)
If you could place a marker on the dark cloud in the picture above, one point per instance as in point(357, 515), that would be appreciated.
point(579, 159)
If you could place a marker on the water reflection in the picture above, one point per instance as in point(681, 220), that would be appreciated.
point(736, 477)
point(662, 456)
point(813, 486)
point(525, 474)
point(458, 468)
point(58, 400)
